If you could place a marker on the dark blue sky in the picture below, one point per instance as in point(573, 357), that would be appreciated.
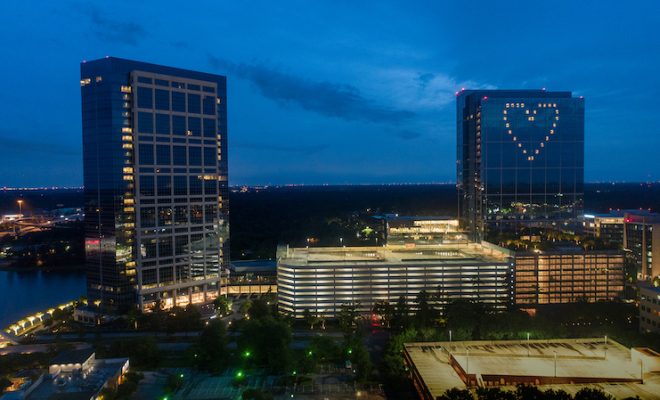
point(337, 91)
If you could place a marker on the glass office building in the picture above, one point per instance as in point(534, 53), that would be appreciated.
point(520, 159)
point(155, 175)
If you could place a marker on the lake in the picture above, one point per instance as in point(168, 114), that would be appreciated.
point(24, 293)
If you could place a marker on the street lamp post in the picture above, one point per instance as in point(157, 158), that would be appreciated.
point(555, 363)
point(467, 360)
point(527, 344)
point(20, 207)
point(341, 241)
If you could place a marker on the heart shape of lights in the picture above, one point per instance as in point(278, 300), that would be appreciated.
point(531, 113)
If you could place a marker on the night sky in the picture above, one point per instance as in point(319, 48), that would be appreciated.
point(339, 91)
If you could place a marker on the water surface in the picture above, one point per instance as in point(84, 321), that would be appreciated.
point(23, 293)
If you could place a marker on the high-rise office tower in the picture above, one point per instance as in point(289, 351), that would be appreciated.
point(520, 159)
point(155, 175)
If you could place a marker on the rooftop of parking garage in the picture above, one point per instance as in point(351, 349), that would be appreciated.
point(393, 254)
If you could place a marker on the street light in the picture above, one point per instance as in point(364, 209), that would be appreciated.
point(341, 241)
point(527, 344)
point(20, 206)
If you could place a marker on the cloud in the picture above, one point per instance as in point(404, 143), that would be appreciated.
point(421, 91)
point(325, 98)
point(302, 149)
point(112, 30)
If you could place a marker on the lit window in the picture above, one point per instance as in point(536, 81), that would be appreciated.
point(99, 79)
point(85, 82)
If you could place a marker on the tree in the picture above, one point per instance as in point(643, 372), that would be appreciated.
point(393, 365)
point(359, 356)
point(259, 309)
point(494, 394)
point(400, 318)
point(347, 317)
point(143, 351)
point(310, 318)
point(551, 394)
point(591, 394)
point(211, 348)
point(245, 307)
point(180, 319)
point(325, 348)
point(528, 392)
point(385, 311)
point(256, 394)
point(426, 314)
point(456, 394)
point(268, 341)
point(222, 305)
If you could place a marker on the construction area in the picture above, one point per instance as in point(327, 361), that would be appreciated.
point(566, 364)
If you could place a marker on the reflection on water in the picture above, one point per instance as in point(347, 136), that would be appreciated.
point(23, 293)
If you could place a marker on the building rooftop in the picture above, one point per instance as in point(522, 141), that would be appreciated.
point(393, 254)
point(73, 356)
point(77, 385)
point(567, 364)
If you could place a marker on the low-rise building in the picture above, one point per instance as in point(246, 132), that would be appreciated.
point(568, 275)
point(566, 364)
point(608, 227)
point(323, 279)
point(76, 374)
point(422, 230)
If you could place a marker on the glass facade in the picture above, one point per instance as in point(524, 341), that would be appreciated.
point(156, 190)
point(520, 159)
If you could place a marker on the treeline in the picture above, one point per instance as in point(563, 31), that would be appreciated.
point(526, 392)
